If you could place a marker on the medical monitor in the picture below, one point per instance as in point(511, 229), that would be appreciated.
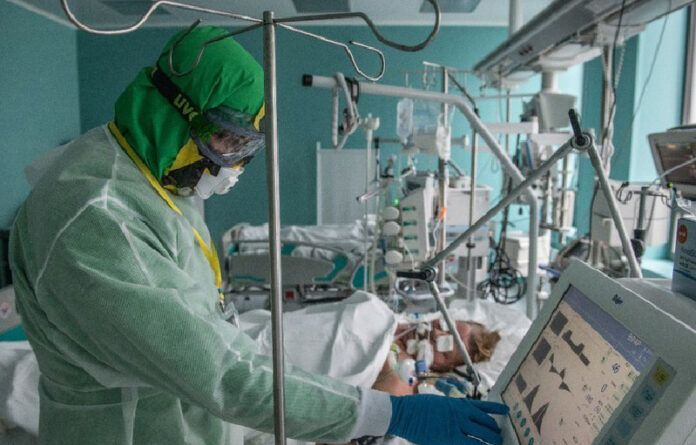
point(603, 365)
point(672, 148)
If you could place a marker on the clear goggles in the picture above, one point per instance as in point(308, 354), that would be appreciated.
point(232, 138)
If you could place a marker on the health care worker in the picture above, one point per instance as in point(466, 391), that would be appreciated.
point(118, 282)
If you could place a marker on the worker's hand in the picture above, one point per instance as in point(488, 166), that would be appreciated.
point(445, 385)
point(428, 419)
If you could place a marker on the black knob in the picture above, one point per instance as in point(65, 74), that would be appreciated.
point(575, 124)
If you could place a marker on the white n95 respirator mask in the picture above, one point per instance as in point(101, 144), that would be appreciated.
point(218, 184)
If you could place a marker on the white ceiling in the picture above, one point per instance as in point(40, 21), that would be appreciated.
point(388, 12)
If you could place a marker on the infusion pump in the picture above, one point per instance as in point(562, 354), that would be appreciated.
point(606, 362)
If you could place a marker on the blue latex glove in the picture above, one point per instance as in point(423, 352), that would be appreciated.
point(445, 385)
point(427, 419)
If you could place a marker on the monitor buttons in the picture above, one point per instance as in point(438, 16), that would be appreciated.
point(636, 411)
point(623, 428)
point(612, 441)
point(648, 394)
point(660, 375)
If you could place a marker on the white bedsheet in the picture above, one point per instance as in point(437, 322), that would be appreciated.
point(348, 339)
point(19, 380)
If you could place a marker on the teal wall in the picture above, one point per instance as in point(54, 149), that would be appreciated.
point(39, 106)
point(108, 63)
point(660, 108)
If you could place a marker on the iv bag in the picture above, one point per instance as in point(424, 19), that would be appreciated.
point(430, 134)
point(404, 119)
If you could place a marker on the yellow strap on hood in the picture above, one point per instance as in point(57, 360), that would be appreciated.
point(260, 115)
point(208, 250)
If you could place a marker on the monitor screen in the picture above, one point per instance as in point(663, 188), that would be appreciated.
point(576, 374)
point(673, 154)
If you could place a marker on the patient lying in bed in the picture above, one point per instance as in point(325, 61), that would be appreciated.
point(351, 340)
point(479, 341)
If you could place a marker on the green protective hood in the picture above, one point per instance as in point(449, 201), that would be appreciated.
point(226, 75)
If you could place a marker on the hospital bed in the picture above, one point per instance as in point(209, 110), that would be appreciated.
point(347, 339)
point(320, 263)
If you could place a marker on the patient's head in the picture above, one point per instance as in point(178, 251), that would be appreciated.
point(479, 342)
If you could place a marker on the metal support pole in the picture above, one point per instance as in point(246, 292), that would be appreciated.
point(443, 179)
point(615, 214)
point(608, 58)
point(533, 258)
point(689, 105)
point(533, 233)
point(455, 333)
point(508, 104)
point(366, 217)
point(547, 204)
point(471, 271)
point(549, 81)
point(607, 102)
point(272, 181)
point(644, 193)
point(515, 17)
point(639, 233)
point(369, 125)
point(562, 211)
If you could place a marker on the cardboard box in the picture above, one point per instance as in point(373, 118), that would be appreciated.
point(684, 277)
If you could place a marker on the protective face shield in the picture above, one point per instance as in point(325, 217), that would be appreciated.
point(219, 184)
point(224, 140)
point(231, 139)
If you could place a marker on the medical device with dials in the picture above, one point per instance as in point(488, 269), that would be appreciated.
point(603, 364)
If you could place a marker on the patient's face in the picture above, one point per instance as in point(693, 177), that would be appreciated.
point(478, 340)
point(446, 361)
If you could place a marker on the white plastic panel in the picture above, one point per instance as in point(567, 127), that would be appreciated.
point(658, 408)
point(340, 180)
